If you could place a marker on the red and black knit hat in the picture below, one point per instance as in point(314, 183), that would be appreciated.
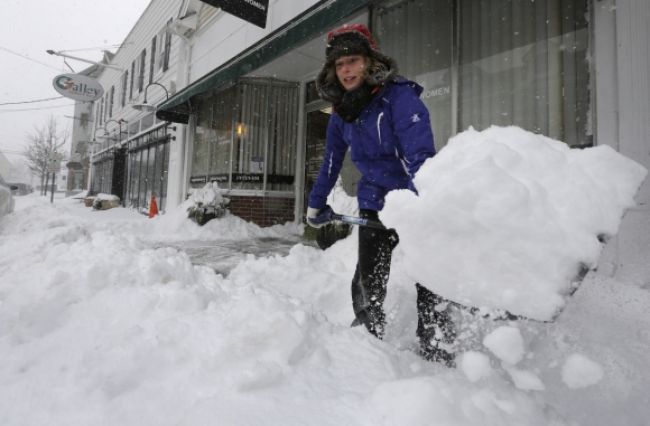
point(354, 39)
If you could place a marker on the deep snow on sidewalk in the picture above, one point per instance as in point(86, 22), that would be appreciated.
point(98, 328)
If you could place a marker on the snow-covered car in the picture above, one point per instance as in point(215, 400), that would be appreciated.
point(19, 188)
point(6, 199)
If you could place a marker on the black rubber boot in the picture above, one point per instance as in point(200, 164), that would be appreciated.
point(435, 327)
point(371, 275)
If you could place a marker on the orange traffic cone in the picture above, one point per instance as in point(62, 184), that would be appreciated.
point(153, 206)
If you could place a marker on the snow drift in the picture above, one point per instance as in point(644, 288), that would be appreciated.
point(506, 218)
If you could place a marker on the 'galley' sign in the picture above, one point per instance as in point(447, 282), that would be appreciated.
point(78, 87)
point(253, 11)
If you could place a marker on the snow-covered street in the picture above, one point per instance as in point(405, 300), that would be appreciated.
point(111, 318)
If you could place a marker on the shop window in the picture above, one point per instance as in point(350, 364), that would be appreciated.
point(201, 146)
point(245, 137)
point(525, 63)
point(148, 165)
point(497, 62)
point(163, 177)
point(164, 45)
point(418, 35)
point(144, 164)
point(134, 172)
point(151, 173)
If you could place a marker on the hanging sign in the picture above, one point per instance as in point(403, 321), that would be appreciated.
point(78, 87)
point(253, 11)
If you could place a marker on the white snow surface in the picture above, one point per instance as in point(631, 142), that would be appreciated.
point(98, 328)
point(525, 379)
point(209, 195)
point(475, 365)
point(505, 218)
point(506, 343)
point(579, 371)
point(107, 197)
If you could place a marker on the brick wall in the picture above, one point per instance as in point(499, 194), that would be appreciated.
point(263, 211)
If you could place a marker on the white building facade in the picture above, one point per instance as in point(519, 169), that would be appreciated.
point(131, 148)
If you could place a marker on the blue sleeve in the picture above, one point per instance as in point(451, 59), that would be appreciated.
point(335, 149)
point(412, 127)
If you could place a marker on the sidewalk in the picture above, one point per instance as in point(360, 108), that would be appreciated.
point(223, 256)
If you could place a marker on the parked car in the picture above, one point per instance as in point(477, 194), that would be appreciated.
point(20, 188)
point(6, 199)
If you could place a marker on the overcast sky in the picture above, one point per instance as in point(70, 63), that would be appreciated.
point(29, 28)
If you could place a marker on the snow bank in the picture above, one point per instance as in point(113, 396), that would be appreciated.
point(505, 218)
point(6, 201)
point(97, 328)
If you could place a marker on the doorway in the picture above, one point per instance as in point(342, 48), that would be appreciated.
point(317, 116)
point(315, 130)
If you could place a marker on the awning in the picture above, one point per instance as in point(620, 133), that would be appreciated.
point(74, 165)
point(306, 26)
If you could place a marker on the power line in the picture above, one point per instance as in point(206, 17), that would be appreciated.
point(32, 101)
point(11, 152)
point(94, 48)
point(34, 109)
point(28, 58)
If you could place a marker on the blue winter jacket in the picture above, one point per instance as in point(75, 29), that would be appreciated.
point(389, 142)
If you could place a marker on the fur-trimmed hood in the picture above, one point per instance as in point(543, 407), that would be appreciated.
point(382, 69)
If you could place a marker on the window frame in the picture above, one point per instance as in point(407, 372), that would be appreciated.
point(142, 67)
point(152, 59)
point(125, 83)
point(132, 79)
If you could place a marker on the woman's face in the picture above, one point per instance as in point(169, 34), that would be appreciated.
point(350, 70)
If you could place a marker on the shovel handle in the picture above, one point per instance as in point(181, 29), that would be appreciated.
point(359, 221)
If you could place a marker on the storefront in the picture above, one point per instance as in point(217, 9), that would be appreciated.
point(245, 140)
point(257, 127)
point(109, 172)
point(148, 164)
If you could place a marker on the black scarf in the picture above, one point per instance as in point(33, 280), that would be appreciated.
point(354, 102)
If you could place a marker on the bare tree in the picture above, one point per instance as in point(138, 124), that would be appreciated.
point(45, 143)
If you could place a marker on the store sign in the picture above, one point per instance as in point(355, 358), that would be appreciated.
point(247, 177)
point(219, 178)
point(198, 179)
point(54, 162)
point(244, 177)
point(253, 11)
point(78, 87)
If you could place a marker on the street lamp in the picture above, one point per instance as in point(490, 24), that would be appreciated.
point(144, 106)
point(119, 123)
